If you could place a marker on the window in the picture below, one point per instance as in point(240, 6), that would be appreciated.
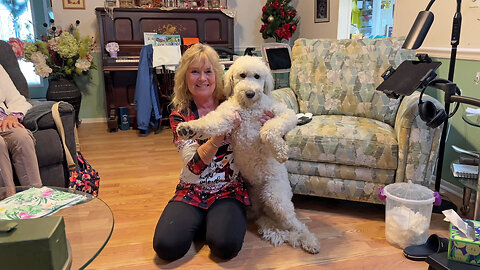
point(365, 18)
point(16, 21)
point(372, 18)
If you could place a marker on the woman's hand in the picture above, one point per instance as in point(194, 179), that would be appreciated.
point(267, 115)
point(10, 122)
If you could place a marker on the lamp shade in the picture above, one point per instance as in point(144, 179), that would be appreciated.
point(419, 30)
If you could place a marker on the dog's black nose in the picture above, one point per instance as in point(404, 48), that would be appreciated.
point(250, 94)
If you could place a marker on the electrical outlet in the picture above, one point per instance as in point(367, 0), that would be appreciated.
point(477, 78)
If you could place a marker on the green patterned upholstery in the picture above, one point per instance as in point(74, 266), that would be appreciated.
point(359, 139)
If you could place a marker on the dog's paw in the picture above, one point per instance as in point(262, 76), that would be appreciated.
point(310, 243)
point(280, 151)
point(185, 131)
point(311, 247)
point(277, 145)
point(276, 237)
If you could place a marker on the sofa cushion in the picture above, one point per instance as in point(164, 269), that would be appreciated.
point(340, 171)
point(352, 190)
point(346, 140)
point(341, 76)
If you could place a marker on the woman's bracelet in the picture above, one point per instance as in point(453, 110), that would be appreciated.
point(213, 144)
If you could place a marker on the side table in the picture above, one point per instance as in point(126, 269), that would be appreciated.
point(88, 225)
point(471, 184)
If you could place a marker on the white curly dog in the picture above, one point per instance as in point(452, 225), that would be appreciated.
point(259, 151)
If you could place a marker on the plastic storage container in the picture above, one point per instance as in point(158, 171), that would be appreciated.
point(408, 210)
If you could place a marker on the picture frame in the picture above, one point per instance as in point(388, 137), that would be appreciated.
point(322, 11)
point(73, 4)
point(167, 40)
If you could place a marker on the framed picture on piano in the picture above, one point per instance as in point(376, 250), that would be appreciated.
point(73, 4)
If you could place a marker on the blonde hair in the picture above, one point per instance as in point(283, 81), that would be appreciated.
point(198, 52)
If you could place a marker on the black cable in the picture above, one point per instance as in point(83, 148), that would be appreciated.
point(430, 5)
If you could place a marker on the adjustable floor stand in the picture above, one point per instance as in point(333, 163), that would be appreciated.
point(394, 90)
point(457, 22)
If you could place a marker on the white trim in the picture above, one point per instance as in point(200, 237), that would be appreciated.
point(452, 189)
point(94, 120)
point(442, 52)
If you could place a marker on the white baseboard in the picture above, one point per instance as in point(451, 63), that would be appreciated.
point(453, 189)
point(94, 120)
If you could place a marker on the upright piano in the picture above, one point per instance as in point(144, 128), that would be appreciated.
point(127, 26)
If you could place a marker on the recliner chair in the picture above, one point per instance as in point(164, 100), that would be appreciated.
point(358, 140)
point(49, 148)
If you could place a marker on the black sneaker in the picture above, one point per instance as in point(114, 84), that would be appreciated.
point(143, 133)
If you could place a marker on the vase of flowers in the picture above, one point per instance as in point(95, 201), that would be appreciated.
point(62, 89)
point(60, 56)
point(279, 21)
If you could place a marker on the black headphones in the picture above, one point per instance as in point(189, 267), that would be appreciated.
point(432, 116)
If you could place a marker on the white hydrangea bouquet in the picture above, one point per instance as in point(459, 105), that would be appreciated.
point(62, 54)
point(112, 48)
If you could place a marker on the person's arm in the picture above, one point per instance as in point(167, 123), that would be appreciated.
point(208, 150)
point(194, 156)
point(13, 100)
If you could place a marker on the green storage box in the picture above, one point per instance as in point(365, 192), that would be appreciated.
point(34, 244)
point(462, 249)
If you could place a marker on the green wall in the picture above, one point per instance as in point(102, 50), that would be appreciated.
point(93, 92)
point(461, 134)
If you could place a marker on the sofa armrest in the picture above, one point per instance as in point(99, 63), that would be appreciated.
point(417, 143)
point(287, 96)
point(39, 117)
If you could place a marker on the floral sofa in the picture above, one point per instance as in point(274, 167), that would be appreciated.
point(358, 139)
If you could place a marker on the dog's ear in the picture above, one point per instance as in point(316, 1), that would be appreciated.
point(228, 83)
point(268, 83)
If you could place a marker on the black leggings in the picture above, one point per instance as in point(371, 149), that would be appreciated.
point(225, 224)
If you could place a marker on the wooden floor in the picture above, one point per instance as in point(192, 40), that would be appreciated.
point(139, 175)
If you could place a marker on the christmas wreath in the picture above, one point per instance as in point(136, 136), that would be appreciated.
point(278, 19)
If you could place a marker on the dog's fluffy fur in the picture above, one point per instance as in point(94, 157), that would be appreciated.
point(259, 151)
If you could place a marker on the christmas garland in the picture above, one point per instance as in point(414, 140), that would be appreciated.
point(278, 19)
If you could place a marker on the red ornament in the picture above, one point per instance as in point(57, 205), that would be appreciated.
point(276, 4)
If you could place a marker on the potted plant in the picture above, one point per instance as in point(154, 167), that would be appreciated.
point(60, 56)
